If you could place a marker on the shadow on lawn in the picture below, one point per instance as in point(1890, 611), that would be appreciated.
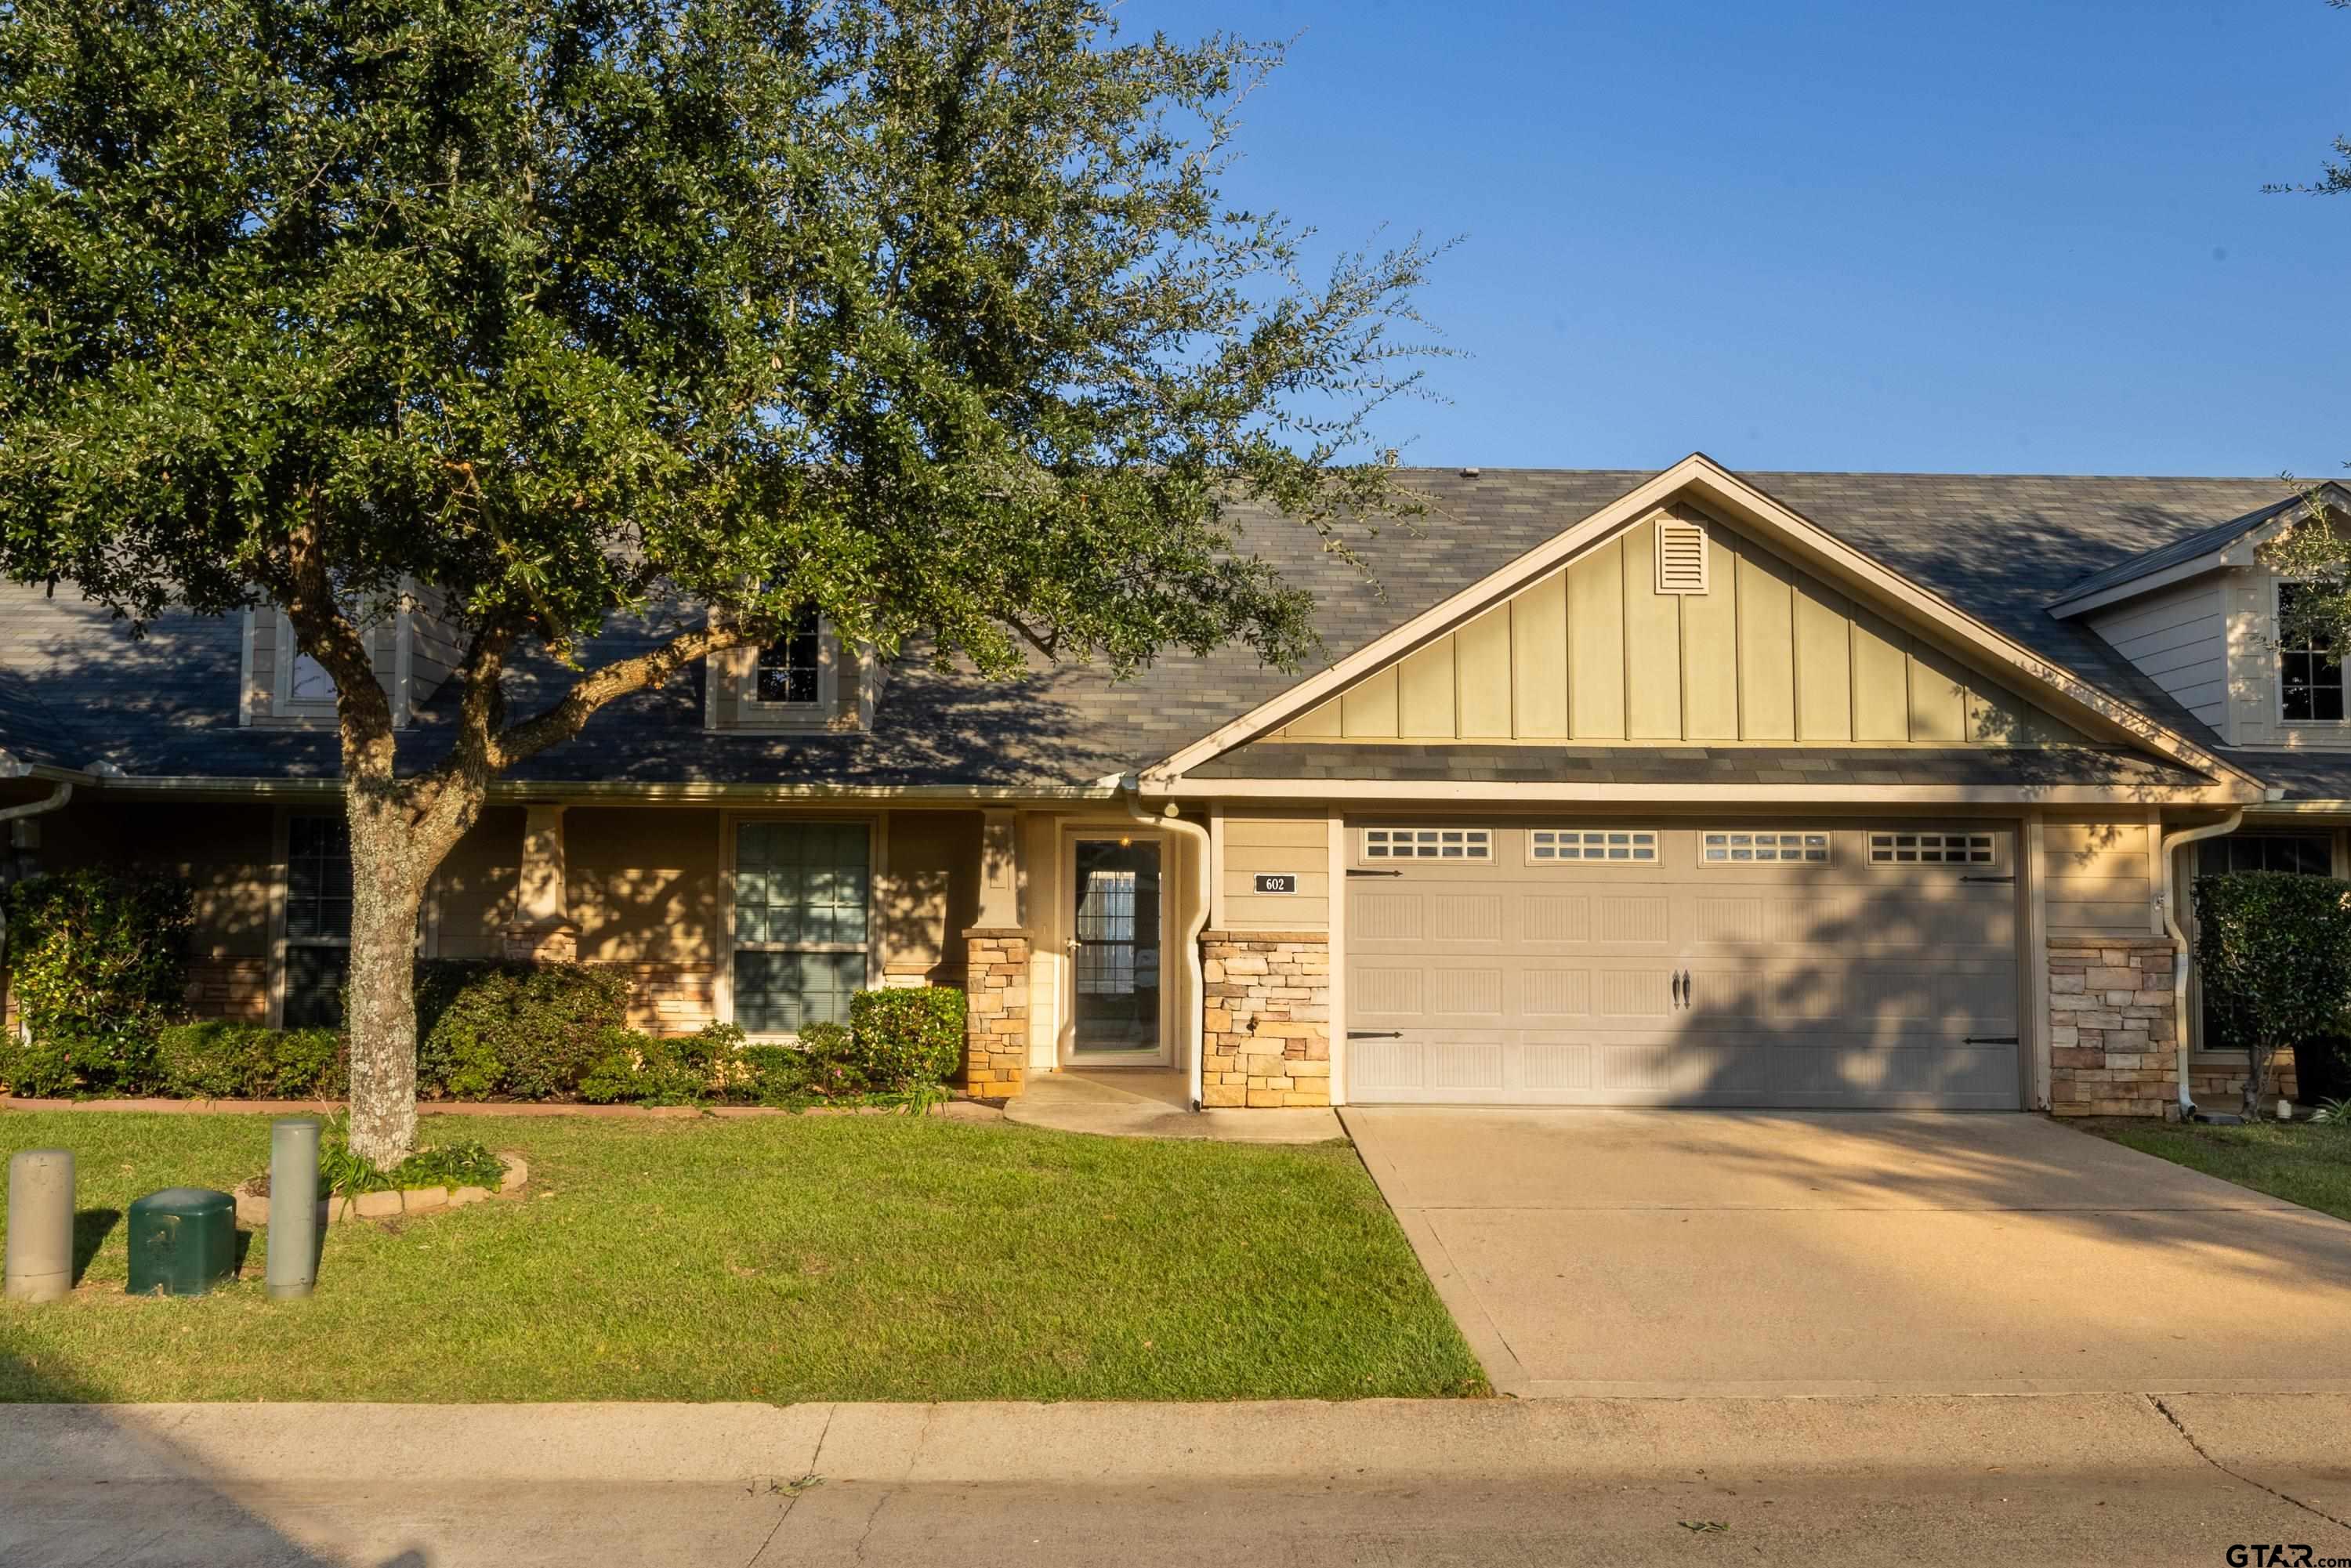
point(91, 1227)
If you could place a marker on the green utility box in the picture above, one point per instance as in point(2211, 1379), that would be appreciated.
point(183, 1241)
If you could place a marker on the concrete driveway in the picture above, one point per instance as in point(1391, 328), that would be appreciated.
point(1685, 1252)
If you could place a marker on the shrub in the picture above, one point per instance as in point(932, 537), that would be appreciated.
point(217, 1060)
point(346, 1174)
point(908, 1038)
point(532, 1031)
point(98, 962)
point(2274, 950)
point(2322, 1066)
point(633, 1068)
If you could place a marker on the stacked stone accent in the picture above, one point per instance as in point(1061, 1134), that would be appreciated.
point(236, 990)
point(528, 944)
point(1266, 1036)
point(670, 998)
point(2113, 1049)
point(995, 1024)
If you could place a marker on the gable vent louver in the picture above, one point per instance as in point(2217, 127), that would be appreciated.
point(1681, 556)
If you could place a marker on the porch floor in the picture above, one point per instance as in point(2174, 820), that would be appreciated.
point(1149, 1102)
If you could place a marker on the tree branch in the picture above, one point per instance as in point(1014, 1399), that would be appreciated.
point(362, 711)
point(598, 688)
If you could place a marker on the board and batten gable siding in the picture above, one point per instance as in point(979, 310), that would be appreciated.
point(2179, 638)
point(2098, 874)
point(1593, 652)
point(1290, 845)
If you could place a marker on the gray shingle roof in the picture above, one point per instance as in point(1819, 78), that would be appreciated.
point(2000, 547)
point(2179, 553)
point(1390, 763)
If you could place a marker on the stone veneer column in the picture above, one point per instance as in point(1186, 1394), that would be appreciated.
point(2113, 1045)
point(995, 1024)
point(542, 932)
point(1266, 1036)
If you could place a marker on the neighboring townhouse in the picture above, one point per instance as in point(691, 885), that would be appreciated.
point(1689, 788)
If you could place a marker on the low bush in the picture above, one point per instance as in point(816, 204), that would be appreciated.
point(524, 1032)
point(218, 1060)
point(633, 1068)
point(908, 1039)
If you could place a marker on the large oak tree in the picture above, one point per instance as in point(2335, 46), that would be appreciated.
point(926, 313)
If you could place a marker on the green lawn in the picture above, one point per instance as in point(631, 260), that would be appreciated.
point(779, 1258)
point(2302, 1163)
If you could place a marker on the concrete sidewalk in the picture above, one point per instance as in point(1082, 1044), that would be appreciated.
point(2057, 1478)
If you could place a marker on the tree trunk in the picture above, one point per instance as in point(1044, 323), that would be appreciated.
point(2256, 1079)
point(390, 864)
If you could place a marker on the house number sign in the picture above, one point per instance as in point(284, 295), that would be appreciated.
point(1277, 881)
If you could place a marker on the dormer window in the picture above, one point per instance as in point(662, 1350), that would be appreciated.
point(792, 668)
point(2310, 674)
point(307, 681)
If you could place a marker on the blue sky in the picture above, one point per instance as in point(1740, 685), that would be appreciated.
point(1982, 237)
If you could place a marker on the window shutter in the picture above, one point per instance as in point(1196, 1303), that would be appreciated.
point(1681, 556)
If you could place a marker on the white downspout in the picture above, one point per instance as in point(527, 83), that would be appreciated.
point(1198, 1000)
point(2171, 842)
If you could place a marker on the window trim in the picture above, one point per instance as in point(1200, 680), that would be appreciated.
point(876, 826)
point(282, 702)
point(282, 941)
point(1656, 846)
point(1803, 862)
point(2278, 651)
point(748, 701)
point(1478, 837)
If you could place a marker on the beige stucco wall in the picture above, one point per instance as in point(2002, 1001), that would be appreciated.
point(2098, 873)
point(644, 886)
point(1593, 652)
point(225, 851)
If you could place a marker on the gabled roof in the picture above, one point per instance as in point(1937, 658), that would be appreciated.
point(2202, 551)
point(2072, 696)
point(1998, 547)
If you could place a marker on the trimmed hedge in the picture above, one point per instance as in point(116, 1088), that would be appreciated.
point(907, 1037)
point(219, 1060)
point(902, 1043)
point(520, 1031)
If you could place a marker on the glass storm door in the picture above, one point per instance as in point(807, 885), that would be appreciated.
point(1114, 951)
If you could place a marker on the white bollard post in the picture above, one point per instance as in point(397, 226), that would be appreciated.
point(40, 1225)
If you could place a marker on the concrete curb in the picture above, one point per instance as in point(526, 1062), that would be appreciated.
point(1146, 1444)
point(953, 1110)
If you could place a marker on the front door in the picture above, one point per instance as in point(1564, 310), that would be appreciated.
point(1114, 948)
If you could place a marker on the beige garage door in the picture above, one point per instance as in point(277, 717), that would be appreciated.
point(1588, 964)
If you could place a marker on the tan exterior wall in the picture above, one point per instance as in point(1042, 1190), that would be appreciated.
point(1290, 844)
point(926, 897)
point(2099, 875)
point(1593, 652)
point(474, 892)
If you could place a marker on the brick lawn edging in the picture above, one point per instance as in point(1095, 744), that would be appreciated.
point(955, 1109)
point(252, 1207)
point(2112, 1040)
point(1266, 1032)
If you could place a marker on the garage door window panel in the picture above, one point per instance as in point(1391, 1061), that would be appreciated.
point(1592, 846)
point(1474, 844)
point(1934, 846)
point(1754, 846)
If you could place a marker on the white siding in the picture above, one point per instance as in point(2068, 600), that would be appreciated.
point(2179, 638)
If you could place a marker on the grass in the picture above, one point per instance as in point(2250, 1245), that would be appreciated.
point(2298, 1161)
point(779, 1258)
